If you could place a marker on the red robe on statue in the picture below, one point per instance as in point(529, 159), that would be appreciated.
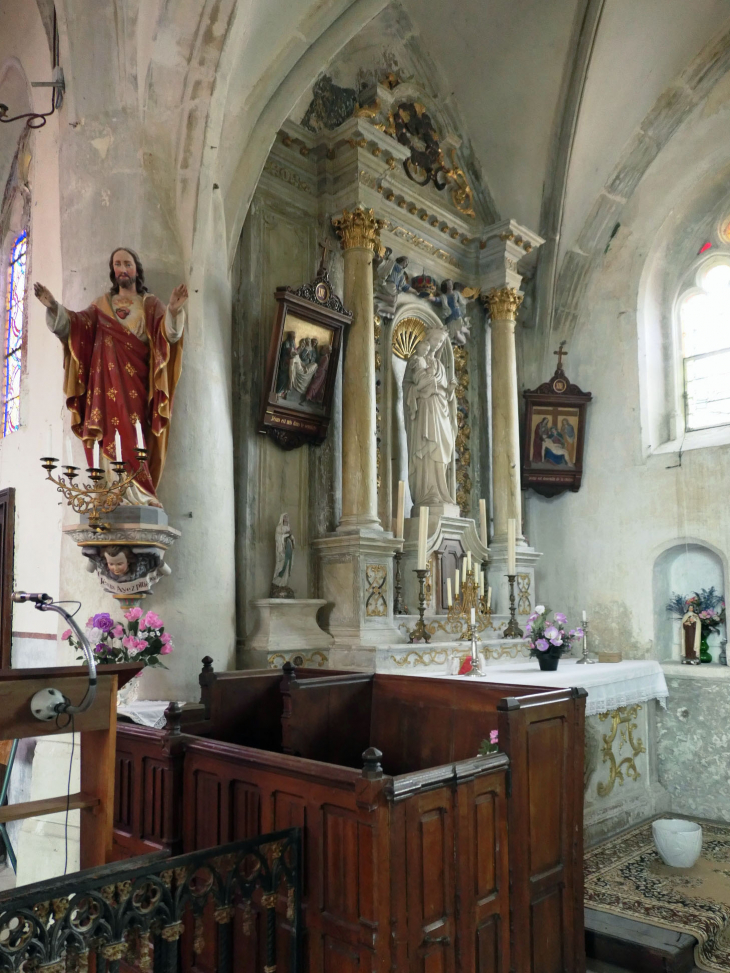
point(113, 379)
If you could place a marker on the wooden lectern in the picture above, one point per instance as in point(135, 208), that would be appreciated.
point(97, 726)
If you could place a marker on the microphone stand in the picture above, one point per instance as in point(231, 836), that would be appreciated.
point(47, 704)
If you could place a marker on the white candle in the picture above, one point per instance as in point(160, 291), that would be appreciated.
point(481, 584)
point(49, 442)
point(96, 463)
point(468, 560)
point(140, 437)
point(68, 453)
point(422, 537)
point(489, 598)
point(473, 616)
point(584, 616)
point(483, 521)
point(449, 599)
point(400, 509)
point(511, 542)
point(456, 583)
point(118, 446)
point(463, 570)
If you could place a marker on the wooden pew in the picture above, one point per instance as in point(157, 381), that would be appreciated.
point(433, 815)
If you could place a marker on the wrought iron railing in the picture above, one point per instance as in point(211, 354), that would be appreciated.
point(160, 913)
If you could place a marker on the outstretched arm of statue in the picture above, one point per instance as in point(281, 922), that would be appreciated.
point(175, 317)
point(56, 317)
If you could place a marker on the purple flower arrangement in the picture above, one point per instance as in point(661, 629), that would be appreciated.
point(707, 604)
point(143, 639)
point(550, 636)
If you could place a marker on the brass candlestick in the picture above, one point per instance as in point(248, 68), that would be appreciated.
point(474, 671)
point(512, 630)
point(92, 499)
point(584, 660)
point(419, 633)
point(399, 606)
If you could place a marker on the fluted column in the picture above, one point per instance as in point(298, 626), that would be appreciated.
point(360, 238)
point(503, 303)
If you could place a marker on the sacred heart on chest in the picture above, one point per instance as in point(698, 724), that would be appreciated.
point(122, 312)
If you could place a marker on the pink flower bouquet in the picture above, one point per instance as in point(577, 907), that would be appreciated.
point(143, 639)
point(550, 636)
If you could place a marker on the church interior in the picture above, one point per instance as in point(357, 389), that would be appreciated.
point(319, 641)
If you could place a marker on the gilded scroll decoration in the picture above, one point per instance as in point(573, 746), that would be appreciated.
point(429, 657)
point(524, 606)
point(316, 659)
point(375, 577)
point(624, 726)
point(463, 430)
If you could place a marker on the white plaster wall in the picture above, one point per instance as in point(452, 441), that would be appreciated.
point(38, 513)
point(600, 544)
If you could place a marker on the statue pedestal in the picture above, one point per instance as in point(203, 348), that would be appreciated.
point(139, 536)
point(356, 578)
point(287, 629)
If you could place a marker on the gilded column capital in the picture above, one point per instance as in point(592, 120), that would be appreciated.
point(359, 228)
point(502, 303)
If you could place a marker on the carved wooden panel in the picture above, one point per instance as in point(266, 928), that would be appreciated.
point(7, 552)
point(245, 811)
point(340, 879)
point(430, 881)
point(124, 791)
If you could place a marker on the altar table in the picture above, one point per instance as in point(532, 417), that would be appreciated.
point(620, 779)
point(610, 685)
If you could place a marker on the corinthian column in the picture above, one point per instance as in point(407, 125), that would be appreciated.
point(503, 303)
point(360, 239)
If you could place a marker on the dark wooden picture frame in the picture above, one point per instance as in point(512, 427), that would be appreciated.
point(553, 436)
point(301, 369)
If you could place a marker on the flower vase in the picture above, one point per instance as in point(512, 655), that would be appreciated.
point(548, 663)
point(129, 693)
point(704, 649)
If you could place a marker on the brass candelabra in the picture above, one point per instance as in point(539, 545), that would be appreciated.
point(474, 671)
point(512, 630)
point(468, 598)
point(93, 499)
point(420, 632)
point(399, 606)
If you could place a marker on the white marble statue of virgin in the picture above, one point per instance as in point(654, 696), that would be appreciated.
point(284, 540)
point(430, 420)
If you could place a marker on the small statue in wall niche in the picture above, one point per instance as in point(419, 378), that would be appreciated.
point(451, 305)
point(284, 541)
point(391, 280)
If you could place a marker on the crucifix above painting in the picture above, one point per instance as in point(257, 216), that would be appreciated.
point(553, 434)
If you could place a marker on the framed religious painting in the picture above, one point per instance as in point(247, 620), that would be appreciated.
point(554, 434)
point(301, 370)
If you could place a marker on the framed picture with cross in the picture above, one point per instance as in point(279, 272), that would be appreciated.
point(554, 434)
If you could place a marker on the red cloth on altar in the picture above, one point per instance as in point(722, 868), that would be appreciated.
point(113, 379)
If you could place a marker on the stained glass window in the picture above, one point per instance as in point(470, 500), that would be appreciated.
point(14, 324)
point(704, 313)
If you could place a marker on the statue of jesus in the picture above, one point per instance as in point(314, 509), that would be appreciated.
point(122, 361)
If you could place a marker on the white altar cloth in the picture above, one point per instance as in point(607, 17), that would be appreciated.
point(609, 684)
point(146, 712)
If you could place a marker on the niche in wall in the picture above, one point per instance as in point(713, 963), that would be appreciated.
point(680, 570)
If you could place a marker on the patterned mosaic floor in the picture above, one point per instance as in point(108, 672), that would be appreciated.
point(626, 877)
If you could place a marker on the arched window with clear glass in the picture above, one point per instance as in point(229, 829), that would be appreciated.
point(704, 317)
point(15, 304)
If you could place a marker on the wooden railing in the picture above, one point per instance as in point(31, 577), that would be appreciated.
point(224, 909)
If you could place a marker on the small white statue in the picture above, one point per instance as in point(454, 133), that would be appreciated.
point(284, 540)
